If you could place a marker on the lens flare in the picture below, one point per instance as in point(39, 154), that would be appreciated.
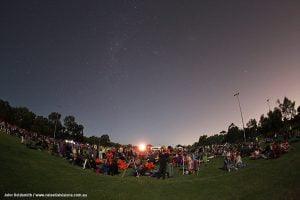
point(142, 147)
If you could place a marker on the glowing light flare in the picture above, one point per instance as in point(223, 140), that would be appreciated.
point(142, 147)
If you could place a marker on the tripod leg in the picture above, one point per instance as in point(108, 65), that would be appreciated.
point(84, 163)
point(89, 164)
point(137, 173)
point(125, 170)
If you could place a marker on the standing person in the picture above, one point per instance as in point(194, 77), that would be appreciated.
point(74, 153)
point(163, 160)
point(170, 170)
point(101, 152)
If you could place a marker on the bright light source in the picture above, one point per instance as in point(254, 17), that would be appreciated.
point(142, 147)
point(70, 141)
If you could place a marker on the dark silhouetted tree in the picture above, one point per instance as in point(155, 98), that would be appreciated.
point(287, 108)
point(73, 129)
point(56, 125)
point(41, 125)
point(104, 140)
point(272, 124)
point(5, 113)
point(22, 117)
point(251, 130)
point(234, 134)
point(202, 140)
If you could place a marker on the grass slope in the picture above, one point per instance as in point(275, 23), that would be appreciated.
point(23, 170)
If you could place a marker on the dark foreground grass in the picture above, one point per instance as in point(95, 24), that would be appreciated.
point(23, 170)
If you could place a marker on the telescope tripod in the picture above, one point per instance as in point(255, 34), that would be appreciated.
point(134, 164)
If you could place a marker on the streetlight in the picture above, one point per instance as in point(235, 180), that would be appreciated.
point(237, 96)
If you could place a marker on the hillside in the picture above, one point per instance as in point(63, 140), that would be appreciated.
point(30, 171)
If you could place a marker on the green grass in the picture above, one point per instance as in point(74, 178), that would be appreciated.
point(23, 170)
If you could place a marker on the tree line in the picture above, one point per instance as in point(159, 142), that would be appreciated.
point(282, 121)
point(51, 126)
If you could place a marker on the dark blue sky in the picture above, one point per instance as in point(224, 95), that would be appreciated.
point(160, 72)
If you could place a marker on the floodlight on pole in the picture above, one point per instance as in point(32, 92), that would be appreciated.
point(237, 96)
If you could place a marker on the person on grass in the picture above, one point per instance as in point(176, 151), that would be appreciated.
point(238, 160)
point(163, 160)
point(229, 162)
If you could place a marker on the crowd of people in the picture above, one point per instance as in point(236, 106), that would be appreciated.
point(153, 163)
point(110, 160)
point(272, 150)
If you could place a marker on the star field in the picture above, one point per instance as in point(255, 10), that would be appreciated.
point(163, 72)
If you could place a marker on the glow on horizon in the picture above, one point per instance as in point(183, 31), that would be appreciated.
point(142, 147)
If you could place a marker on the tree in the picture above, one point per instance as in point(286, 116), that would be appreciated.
point(275, 118)
point(22, 117)
point(54, 116)
point(5, 113)
point(264, 127)
point(41, 125)
point(73, 129)
point(271, 124)
point(215, 139)
point(234, 134)
point(287, 108)
point(4, 110)
point(93, 140)
point(202, 140)
point(252, 123)
point(55, 124)
point(69, 123)
point(295, 122)
point(251, 130)
point(104, 140)
point(78, 133)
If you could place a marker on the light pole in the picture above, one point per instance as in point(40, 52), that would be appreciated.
point(237, 96)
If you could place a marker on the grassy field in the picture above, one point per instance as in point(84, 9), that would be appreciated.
point(23, 170)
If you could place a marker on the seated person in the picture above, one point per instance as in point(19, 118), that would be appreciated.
point(276, 150)
point(285, 146)
point(238, 160)
point(149, 165)
point(228, 162)
point(143, 170)
point(113, 167)
point(256, 154)
point(190, 165)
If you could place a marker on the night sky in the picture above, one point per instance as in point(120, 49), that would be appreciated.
point(160, 72)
